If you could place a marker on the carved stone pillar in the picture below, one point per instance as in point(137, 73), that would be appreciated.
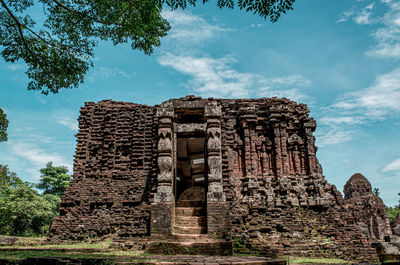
point(280, 140)
point(162, 208)
point(218, 222)
point(309, 127)
point(213, 116)
point(248, 120)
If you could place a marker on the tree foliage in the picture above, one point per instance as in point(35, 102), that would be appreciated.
point(376, 192)
point(53, 180)
point(3, 126)
point(392, 212)
point(8, 178)
point(23, 211)
point(59, 52)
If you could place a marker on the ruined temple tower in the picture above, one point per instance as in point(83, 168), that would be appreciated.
point(242, 169)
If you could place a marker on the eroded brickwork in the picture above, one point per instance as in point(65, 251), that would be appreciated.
point(265, 187)
point(395, 225)
point(368, 210)
point(114, 173)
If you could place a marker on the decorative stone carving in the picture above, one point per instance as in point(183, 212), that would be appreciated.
point(165, 162)
point(212, 109)
point(165, 167)
point(295, 139)
point(213, 112)
point(214, 142)
point(166, 110)
point(214, 168)
point(164, 140)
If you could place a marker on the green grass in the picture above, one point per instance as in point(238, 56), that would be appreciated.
point(299, 260)
point(39, 242)
point(101, 245)
point(23, 254)
point(101, 249)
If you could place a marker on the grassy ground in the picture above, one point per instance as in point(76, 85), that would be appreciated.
point(300, 260)
point(101, 249)
point(39, 242)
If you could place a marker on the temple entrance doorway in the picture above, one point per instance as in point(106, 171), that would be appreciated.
point(190, 184)
point(190, 175)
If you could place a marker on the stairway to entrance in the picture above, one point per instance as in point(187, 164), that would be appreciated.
point(190, 218)
point(189, 230)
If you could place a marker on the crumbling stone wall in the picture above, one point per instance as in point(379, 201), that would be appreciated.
point(368, 210)
point(114, 173)
point(274, 196)
point(395, 225)
point(281, 203)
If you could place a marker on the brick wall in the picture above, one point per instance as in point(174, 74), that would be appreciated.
point(277, 199)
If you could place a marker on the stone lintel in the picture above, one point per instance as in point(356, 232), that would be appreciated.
point(190, 127)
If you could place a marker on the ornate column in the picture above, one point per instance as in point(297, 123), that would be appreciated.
point(248, 121)
point(162, 208)
point(217, 208)
point(309, 127)
point(213, 116)
point(280, 139)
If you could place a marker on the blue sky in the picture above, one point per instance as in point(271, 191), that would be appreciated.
point(340, 57)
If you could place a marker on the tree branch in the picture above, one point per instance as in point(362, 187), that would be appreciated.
point(81, 13)
point(19, 26)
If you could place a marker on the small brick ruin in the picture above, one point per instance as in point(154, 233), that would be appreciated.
point(368, 210)
point(395, 225)
point(254, 160)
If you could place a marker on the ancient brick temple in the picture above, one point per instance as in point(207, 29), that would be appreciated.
point(240, 170)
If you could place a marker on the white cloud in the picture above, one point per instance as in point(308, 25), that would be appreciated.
point(103, 73)
point(377, 101)
point(66, 118)
point(37, 156)
point(388, 36)
point(284, 86)
point(293, 94)
point(361, 17)
point(188, 28)
point(345, 16)
point(217, 78)
point(211, 77)
point(364, 17)
point(334, 135)
point(68, 122)
point(392, 166)
point(341, 120)
point(289, 80)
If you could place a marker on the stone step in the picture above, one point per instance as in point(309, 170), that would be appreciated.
point(189, 211)
point(190, 221)
point(189, 230)
point(222, 248)
point(188, 203)
point(191, 237)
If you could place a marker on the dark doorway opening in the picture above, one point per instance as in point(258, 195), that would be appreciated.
point(190, 175)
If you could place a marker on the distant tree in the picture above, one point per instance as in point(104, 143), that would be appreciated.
point(398, 206)
point(59, 52)
point(8, 178)
point(23, 212)
point(53, 180)
point(392, 212)
point(376, 192)
point(3, 126)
